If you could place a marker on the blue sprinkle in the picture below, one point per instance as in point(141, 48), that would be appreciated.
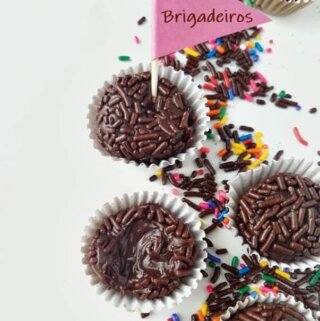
point(244, 270)
point(230, 94)
point(255, 58)
point(219, 41)
point(213, 258)
point(221, 216)
point(298, 107)
point(212, 204)
point(253, 294)
point(287, 270)
point(175, 317)
point(252, 52)
point(211, 53)
point(245, 137)
point(258, 46)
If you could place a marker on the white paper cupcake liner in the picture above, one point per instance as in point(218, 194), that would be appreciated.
point(182, 212)
point(193, 95)
point(242, 183)
point(270, 298)
point(281, 7)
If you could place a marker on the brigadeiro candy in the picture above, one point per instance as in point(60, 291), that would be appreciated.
point(268, 308)
point(269, 312)
point(281, 217)
point(277, 212)
point(127, 123)
point(145, 251)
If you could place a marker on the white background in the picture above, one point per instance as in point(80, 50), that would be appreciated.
point(54, 56)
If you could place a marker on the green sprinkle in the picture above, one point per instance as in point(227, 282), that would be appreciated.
point(235, 262)
point(124, 58)
point(315, 279)
point(249, 3)
point(268, 278)
point(223, 112)
point(282, 94)
point(210, 135)
point(212, 264)
point(245, 289)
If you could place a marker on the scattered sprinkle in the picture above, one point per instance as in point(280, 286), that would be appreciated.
point(124, 58)
point(137, 40)
point(299, 138)
point(142, 20)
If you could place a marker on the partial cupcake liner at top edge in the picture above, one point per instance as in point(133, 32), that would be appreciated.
point(280, 7)
point(181, 211)
point(193, 95)
point(242, 183)
point(270, 298)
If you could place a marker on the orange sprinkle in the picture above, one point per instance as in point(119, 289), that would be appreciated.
point(220, 49)
point(222, 152)
point(254, 150)
point(200, 315)
point(210, 103)
point(213, 112)
point(265, 146)
point(275, 289)
point(215, 319)
point(222, 103)
point(226, 221)
point(217, 125)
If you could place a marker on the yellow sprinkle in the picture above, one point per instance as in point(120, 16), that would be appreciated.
point(237, 151)
point(254, 164)
point(282, 273)
point(224, 120)
point(250, 43)
point(158, 173)
point(259, 143)
point(258, 135)
point(264, 263)
point(238, 146)
point(258, 37)
point(256, 290)
point(204, 309)
point(191, 52)
point(247, 157)
point(202, 224)
point(264, 155)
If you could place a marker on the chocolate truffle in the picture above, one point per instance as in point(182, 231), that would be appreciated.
point(134, 126)
point(143, 251)
point(280, 218)
point(269, 312)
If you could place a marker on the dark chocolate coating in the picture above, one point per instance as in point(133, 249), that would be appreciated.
point(143, 251)
point(278, 217)
point(133, 126)
point(269, 312)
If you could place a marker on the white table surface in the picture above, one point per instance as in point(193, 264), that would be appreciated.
point(54, 56)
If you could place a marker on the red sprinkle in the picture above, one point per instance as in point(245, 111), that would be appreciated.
point(175, 192)
point(299, 138)
point(200, 171)
point(204, 150)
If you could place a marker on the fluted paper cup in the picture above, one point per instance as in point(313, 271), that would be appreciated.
point(192, 94)
point(244, 181)
point(270, 298)
point(281, 7)
point(181, 211)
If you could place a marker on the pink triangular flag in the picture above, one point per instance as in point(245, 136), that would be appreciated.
point(178, 24)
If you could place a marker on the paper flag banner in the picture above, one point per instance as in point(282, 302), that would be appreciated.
point(179, 24)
